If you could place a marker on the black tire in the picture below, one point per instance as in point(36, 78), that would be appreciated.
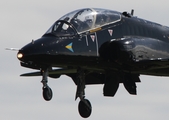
point(47, 93)
point(85, 108)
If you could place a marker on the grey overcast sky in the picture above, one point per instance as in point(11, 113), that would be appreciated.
point(21, 98)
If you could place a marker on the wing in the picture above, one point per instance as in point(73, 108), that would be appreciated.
point(51, 73)
point(91, 78)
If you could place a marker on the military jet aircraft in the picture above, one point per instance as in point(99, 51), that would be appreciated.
point(98, 46)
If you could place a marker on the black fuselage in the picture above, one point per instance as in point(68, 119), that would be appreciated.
point(132, 44)
point(98, 46)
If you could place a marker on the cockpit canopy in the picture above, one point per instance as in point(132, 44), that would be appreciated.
point(83, 20)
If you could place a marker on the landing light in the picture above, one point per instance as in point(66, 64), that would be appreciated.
point(20, 55)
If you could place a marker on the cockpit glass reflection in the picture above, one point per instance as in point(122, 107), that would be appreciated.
point(84, 20)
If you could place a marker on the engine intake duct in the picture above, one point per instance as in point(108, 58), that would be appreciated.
point(117, 50)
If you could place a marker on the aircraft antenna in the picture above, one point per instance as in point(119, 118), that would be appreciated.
point(132, 12)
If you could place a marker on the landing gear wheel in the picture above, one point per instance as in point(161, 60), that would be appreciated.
point(47, 93)
point(85, 108)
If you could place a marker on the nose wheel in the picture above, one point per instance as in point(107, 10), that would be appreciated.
point(46, 90)
point(47, 93)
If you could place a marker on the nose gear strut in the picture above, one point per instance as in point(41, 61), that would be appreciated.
point(47, 91)
point(84, 106)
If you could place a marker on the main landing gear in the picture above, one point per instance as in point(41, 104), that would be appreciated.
point(84, 106)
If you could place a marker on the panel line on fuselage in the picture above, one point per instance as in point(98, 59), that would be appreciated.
point(87, 43)
point(97, 51)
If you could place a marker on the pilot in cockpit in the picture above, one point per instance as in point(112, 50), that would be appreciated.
point(82, 25)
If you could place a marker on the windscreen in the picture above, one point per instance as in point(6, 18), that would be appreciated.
point(84, 20)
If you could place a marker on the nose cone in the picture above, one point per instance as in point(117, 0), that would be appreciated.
point(25, 52)
point(33, 50)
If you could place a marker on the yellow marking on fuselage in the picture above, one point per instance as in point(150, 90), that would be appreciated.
point(96, 29)
point(68, 47)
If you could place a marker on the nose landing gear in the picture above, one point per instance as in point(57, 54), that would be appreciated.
point(47, 91)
